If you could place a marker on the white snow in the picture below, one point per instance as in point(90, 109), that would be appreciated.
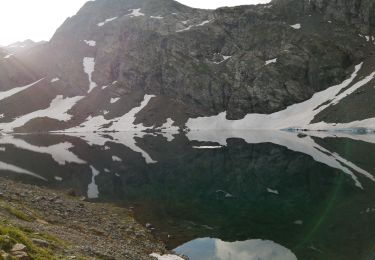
point(207, 147)
point(290, 140)
point(114, 100)
point(136, 12)
point(122, 123)
point(89, 68)
point(156, 17)
point(107, 21)
point(297, 116)
point(224, 59)
point(104, 87)
point(166, 257)
point(9, 167)
point(271, 61)
point(8, 56)
point(59, 152)
point(92, 189)
point(58, 178)
point(272, 191)
point(13, 91)
point(116, 159)
point(57, 110)
point(197, 25)
point(296, 26)
point(204, 23)
point(54, 80)
point(90, 43)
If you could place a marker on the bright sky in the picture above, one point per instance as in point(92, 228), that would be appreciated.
point(39, 19)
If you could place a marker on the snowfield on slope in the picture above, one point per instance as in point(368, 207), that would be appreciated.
point(297, 116)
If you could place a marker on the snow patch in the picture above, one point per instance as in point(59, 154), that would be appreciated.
point(107, 21)
point(89, 68)
point(90, 43)
point(59, 152)
point(296, 26)
point(92, 189)
point(166, 257)
point(271, 61)
point(156, 17)
point(272, 191)
point(114, 100)
point(207, 147)
point(297, 116)
point(116, 159)
point(8, 56)
point(57, 110)
point(13, 91)
point(197, 25)
point(54, 80)
point(136, 12)
point(12, 168)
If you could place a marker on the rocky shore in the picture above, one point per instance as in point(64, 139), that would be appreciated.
point(36, 223)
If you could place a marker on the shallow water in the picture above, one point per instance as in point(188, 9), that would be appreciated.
point(219, 195)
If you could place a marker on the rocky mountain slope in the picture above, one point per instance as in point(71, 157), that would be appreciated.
point(156, 64)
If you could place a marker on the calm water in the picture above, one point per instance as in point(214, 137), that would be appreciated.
point(220, 195)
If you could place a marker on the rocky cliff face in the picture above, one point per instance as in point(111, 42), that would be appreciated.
point(101, 63)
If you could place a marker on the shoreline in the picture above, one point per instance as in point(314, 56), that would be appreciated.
point(59, 226)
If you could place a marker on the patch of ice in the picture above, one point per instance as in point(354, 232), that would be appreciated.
point(104, 87)
point(107, 21)
point(89, 68)
point(156, 17)
point(54, 80)
point(58, 178)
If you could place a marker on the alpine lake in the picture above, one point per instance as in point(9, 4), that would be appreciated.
point(221, 195)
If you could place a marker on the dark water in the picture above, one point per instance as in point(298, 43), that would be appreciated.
point(220, 195)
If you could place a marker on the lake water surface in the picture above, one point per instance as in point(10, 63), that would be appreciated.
point(219, 195)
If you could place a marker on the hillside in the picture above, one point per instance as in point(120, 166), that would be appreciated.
point(158, 65)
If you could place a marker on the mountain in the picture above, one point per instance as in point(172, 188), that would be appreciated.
point(159, 65)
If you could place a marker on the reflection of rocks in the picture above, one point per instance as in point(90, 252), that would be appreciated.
point(188, 193)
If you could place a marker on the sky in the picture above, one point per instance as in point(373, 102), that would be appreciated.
point(39, 19)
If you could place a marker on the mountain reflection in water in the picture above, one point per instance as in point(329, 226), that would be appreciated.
point(260, 194)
